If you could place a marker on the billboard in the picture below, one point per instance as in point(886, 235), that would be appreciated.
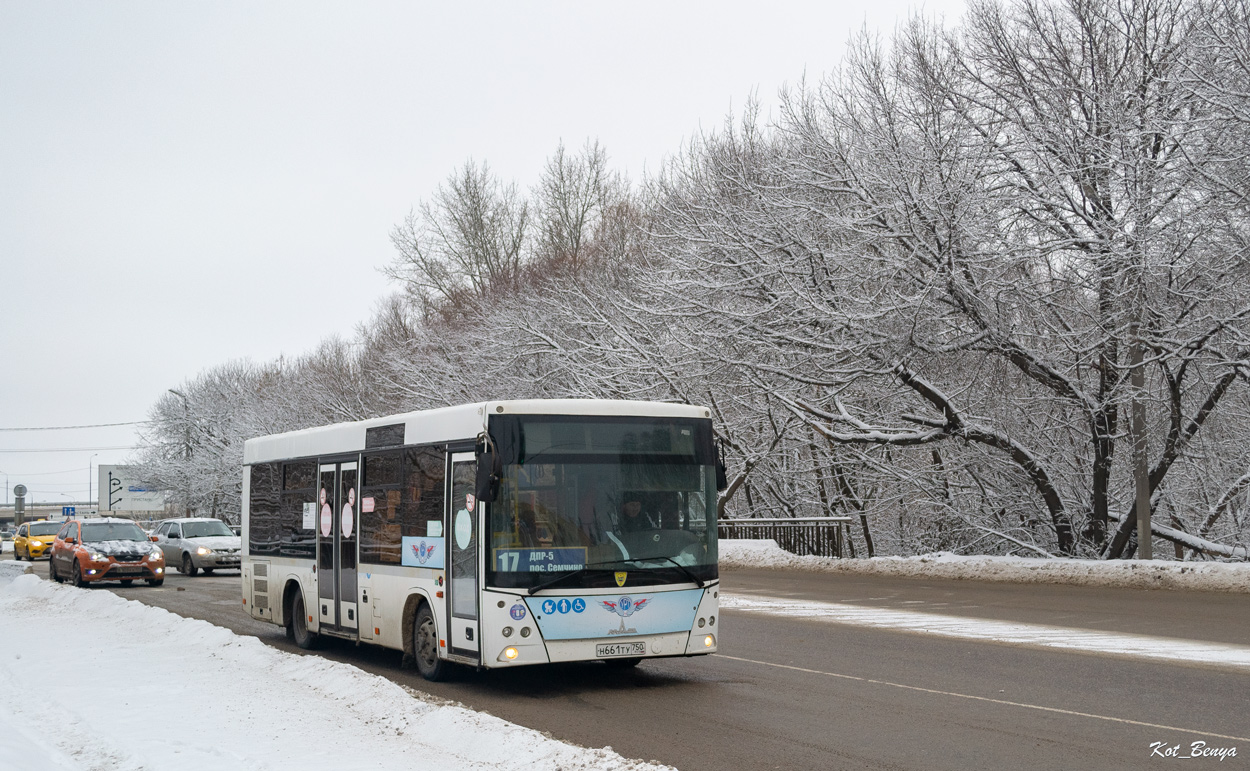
point(121, 490)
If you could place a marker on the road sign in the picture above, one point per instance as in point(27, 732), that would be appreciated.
point(67, 511)
point(19, 490)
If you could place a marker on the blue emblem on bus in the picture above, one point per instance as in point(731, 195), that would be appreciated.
point(625, 606)
point(518, 611)
point(423, 552)
point(579, 605)
point(563, 606)
point(549, 607)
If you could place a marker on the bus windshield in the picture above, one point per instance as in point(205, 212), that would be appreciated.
point(599, 497)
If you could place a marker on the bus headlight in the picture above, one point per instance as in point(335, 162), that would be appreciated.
point(709, 641)
point(510, 654)
point(507, 631)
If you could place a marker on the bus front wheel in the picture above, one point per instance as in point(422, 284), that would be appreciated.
point(425, 647)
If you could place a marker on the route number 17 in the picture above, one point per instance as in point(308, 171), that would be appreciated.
point(508, 561)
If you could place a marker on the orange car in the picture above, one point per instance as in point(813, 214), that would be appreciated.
point(105, 549)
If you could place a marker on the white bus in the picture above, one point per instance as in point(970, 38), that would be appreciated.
point(491, 535)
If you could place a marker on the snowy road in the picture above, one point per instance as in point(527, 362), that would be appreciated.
point(797, 691)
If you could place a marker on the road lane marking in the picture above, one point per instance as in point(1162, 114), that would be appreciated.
point(1004, 702)
point(1031, 635)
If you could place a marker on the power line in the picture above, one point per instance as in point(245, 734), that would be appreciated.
point(41, 485)
point(67, 428)
point(43, 473)
point(79, 449)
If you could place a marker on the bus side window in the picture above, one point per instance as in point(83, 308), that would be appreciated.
point(298, 488)
point(263, 502)
point(380, 533)
point(422, 505)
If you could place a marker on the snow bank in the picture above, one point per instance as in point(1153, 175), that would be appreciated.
point(12, 568)
point(103, 683)
point(991, 630)
point(1156, 574)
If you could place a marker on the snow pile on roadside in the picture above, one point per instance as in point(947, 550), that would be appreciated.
point(92, 677)
point(1156, 574)
point(12, 568)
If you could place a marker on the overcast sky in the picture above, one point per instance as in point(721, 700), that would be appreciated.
point(184, 184)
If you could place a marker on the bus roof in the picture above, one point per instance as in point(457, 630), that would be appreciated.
point(446, 424)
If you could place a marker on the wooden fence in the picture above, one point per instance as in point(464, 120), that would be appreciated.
point(822, 536)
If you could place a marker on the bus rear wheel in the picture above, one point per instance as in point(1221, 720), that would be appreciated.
point(425, 647)
point(297, 625)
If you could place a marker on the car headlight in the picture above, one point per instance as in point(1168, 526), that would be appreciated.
point(154, 555)
point(202, 550)
point(97, 557)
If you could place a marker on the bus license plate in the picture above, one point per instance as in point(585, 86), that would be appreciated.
point(621, 649)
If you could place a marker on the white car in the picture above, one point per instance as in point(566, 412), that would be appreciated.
point(193, 544)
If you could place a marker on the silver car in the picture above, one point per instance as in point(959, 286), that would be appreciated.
point(193, 544)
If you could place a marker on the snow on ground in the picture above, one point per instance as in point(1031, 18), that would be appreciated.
point(95, 681)
point(1154, 574)
point(1015, 633)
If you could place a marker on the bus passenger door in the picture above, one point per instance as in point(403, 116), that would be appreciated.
point(336, 546)
point(462, 523)
point(345, 577)
point(327, 603)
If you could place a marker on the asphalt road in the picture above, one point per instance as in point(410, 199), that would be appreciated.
point(803, 694)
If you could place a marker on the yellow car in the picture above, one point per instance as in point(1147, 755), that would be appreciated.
point(34, 540)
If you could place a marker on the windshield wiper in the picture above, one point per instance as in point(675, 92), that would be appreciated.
point(567, 576)
point(697, 581)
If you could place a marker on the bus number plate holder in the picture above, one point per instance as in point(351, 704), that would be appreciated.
point(621, 649)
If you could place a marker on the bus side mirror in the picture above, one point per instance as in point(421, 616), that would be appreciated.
point(489, 469)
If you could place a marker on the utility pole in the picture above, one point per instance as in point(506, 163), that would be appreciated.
point(186, 451)
point(90, 480)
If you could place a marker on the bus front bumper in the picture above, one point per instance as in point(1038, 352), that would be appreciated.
point(640, 646)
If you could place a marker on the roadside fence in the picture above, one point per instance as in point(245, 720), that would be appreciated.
point(821, 536)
